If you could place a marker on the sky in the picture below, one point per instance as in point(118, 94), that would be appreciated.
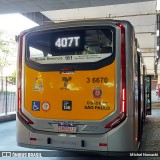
point(158, 5)
point(14, 23)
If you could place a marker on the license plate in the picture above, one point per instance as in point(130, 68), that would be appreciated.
point(70, 129)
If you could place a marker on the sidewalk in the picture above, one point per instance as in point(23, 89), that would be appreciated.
point(155, 104)
point(156, 101)
point(151, 132)
point(9, 117)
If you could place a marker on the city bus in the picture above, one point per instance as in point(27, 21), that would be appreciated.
point(80, 87)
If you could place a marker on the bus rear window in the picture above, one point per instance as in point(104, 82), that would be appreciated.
point(70, 46)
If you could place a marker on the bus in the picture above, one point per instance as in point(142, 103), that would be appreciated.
point(80, 87)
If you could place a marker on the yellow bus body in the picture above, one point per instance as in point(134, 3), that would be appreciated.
point(49, 87)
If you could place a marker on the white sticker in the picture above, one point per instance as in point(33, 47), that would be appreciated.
point(45, 106)
point(70, 58)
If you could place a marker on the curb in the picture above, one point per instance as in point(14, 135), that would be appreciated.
point(156, 102)
point(8, 118)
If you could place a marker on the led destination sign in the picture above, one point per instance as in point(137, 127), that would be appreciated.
point(68, 41)
point(81, 45)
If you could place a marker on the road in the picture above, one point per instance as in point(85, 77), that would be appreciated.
point(151, 130)
point(8, 143)
point(8, 100)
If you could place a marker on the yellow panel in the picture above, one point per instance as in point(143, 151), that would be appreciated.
point(87, 95)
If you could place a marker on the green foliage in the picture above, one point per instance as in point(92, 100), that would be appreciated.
point(12, 78)
point(7, 47)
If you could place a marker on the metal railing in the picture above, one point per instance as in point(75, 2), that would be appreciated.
point(7, 96)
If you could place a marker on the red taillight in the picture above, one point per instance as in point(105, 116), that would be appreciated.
point(19, 98)
point(122, 114)
point(123, 69)
point(66, 69)
point(19, 82)
point(33, 139)
point(116, 121)
point(123, 101)
point(103, 144)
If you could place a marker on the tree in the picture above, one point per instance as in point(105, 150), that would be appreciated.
point(7, 48)
point(12, 78)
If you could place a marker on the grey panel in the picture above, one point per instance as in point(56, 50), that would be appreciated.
point(37, 17)
point(23, 6)
point(121, 138)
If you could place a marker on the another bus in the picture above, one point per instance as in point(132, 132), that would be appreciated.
point(80, 87)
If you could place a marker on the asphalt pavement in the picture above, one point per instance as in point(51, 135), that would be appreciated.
point(8, 143)
point(150, 141)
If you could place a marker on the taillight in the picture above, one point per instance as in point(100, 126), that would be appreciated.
point(103, 144)
point(19, 81)
point(122, 114)
point(33, 139)
point(123, 70)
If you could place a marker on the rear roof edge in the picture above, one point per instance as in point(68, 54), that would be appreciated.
point(74, 24)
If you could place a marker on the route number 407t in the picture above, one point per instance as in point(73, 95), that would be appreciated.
point(66, 42)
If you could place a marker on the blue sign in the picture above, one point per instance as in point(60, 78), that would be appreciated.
point(36, 105)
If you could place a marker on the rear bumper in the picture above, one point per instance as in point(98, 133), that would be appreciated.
point(60, 141)
point(66, 152)
point(118, 139)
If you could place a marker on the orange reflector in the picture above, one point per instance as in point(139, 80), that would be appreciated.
point(136, 139)
point(33, 139)
point(103, 144)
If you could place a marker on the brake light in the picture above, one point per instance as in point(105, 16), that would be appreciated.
point(103, 144)
point(19, 80)
point(122, 114)
point(19, 98)
point(123, 101)
point(66, 69)
point(33, 139)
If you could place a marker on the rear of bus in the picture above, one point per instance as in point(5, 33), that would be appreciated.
point(72, 87)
